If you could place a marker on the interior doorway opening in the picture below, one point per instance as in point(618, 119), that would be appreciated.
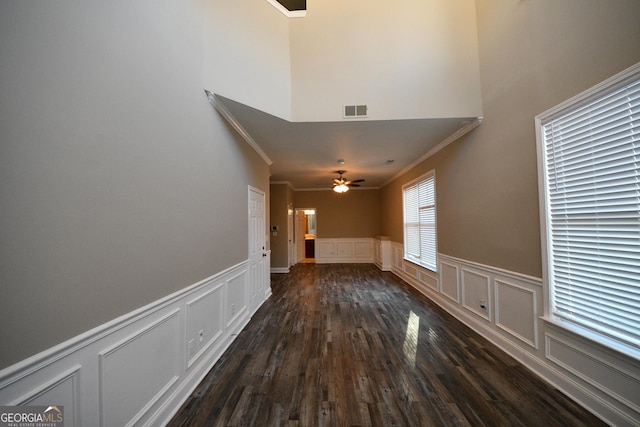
point(306, 230)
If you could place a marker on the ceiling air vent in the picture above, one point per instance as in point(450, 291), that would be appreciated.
point(353, 111)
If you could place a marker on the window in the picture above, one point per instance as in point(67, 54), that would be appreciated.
point(589, 160)
point(419, 199)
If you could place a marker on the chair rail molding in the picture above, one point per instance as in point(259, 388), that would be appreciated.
point(156, 355)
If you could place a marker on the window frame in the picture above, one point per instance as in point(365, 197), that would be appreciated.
point(599, 91)
point(423, 260)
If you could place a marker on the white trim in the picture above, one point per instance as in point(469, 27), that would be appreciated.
point(616, 406)
point(345, 250)
point(78, 370)
point(287, 183)
point(608, 85)
point(473, 306)
point(34, 363)
point(230, 118)
point(279, 270)
point(589, 355)
point(533, 341)
point(286, 12)
point(451, 138)
point(611, 84)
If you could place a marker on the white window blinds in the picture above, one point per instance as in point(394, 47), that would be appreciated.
point(420, 221)
point(591, 155)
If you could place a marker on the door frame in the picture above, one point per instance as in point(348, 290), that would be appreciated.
point(297, 231)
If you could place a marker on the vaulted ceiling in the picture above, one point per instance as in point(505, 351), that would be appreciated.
point(416, 69)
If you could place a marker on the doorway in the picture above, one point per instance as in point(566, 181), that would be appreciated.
point(305, 234)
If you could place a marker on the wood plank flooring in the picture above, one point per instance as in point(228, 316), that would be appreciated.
point(349, 345)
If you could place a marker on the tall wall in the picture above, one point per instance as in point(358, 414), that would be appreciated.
point(119, 183)
point(350, 215)
point(417, 59)
point(247, 55)
point(533, 55)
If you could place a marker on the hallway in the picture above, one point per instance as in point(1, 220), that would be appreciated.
point(349, 345)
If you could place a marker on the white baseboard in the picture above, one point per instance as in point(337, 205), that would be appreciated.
point(155, 356)
point(87, 373)
point(602, 381)
point(279, 270)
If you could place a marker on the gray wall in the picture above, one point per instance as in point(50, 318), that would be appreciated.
point(279, 217)
point(119, 183)
point(533, 55)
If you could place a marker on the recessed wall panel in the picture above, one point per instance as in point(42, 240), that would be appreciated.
point(475, 293)
point(135, 373)
point(516, 311)
point(205, 321)
point(449, 281)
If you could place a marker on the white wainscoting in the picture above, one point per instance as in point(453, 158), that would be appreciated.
point(382, 252)
point(346, 250)
point(139, 368)
point(603, 381)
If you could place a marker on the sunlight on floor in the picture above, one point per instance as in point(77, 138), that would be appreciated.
point(411, 338)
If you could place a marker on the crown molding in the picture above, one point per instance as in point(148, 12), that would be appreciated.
point(226, 114)
point(453, 137)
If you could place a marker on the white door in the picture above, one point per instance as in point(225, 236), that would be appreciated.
point(258, 257)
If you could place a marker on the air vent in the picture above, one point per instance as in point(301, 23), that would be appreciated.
point(352, 111)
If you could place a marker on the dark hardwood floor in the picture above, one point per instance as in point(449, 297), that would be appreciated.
point(348, 345)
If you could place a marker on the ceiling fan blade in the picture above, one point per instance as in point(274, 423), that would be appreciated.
point(337, 181)
point(358, 180)
point(353, 185)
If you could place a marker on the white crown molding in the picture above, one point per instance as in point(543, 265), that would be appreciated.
point(224, 112)
point(287, 183)
point(453, 137)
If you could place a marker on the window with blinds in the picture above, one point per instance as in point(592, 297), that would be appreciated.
point(589, 153)
point(419, 199)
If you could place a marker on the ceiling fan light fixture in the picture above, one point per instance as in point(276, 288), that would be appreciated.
point(341, 188)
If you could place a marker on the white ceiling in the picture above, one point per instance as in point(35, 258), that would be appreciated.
point(306, 154)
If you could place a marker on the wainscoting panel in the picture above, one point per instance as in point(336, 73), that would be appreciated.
point(515, 307)
point(428, 279)
point(475, 293)
point(237, 292)
point(363, 249)
point(135, 373)
point(618, 379)
point(602, 380)
point(205, 322)
point(333, 251)
point(140, 367)
point(424, 280)
point(449, 281)
point(62, 390)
